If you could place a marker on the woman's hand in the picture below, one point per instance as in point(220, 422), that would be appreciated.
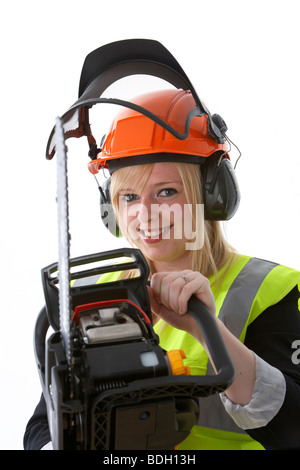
point(169, 296)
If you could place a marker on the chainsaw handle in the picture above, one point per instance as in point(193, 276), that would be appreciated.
point(213, 339)
point(40, 332)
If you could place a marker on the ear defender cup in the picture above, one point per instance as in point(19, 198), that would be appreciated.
point(106, 210)
point(221, 194)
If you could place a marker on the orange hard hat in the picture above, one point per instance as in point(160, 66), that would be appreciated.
point(136, 138)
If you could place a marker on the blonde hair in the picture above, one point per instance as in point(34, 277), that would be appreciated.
point(215, 251)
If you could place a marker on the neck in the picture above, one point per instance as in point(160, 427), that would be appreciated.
point(173, 265)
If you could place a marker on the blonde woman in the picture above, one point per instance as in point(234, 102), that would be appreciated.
point(168, 196)
point(156, 182)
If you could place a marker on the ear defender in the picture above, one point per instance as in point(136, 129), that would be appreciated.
point(106, 210)
point(220, 190)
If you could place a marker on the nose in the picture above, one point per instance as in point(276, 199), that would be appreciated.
point(142, 213)
point(146, 211)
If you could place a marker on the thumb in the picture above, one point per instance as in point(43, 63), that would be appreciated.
point(155, 305)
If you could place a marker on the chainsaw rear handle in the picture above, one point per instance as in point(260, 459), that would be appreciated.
point(216, 346)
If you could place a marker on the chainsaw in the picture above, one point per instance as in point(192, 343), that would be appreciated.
point(107, 383)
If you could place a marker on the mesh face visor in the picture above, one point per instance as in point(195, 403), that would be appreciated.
point(112, 62)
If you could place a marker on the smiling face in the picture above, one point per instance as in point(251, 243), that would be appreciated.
point(199, 244)
point(153, 209)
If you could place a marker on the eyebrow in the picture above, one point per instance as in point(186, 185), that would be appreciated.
point(163, 183)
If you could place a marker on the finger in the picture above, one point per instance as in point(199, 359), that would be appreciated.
point(169, 290)
point(175, 293)
point(200, 287)
point(155, 306)
point(168, 287)
point(160, 283)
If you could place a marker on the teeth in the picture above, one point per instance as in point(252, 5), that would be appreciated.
point(152, 234)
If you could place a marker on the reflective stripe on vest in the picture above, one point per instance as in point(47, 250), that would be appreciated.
point(236, 307)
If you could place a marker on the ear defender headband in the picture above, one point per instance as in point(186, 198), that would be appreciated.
point(117, 60)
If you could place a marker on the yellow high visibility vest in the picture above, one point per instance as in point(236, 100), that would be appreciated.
point(250, 286)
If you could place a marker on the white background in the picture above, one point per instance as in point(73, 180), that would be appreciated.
point(242, 58)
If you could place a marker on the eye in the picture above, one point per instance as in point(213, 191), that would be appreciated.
point(167, 192)
point(129, 197)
